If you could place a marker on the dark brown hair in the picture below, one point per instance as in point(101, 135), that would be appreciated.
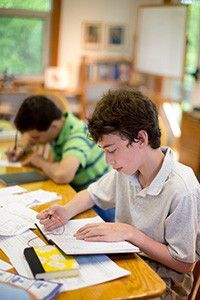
point(126, 112)
point(36, 112)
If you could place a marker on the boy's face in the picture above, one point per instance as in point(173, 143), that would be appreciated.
point(37, 136)
point(121, 156)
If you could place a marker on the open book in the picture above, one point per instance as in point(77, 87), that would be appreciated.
point(71, 246)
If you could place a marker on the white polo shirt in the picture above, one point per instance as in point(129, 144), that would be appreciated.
point(168, 210)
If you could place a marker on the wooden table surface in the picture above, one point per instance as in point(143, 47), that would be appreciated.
point(143, 283)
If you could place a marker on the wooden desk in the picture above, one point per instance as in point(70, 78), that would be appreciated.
point(143, 281)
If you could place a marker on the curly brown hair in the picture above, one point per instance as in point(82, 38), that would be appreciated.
point(126, 112)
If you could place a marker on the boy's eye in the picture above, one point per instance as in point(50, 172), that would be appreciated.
point(111, 151)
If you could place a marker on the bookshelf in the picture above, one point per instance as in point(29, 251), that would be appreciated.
point(99, 74)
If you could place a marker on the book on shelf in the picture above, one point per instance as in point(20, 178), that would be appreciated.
point(116, 70)
point(67, 243)
point(48, 262)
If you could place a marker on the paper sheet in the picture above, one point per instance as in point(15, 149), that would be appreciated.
point(4, 265)
point(17, 257)
point(38, 197)
point(15, 189)
point(94, 269)
point(7, 163)
point(16, 219)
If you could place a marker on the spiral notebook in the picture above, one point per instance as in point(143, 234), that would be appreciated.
point(22, 177)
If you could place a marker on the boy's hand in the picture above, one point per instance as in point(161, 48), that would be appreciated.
point(53, 217)
point(14, 155)
point(34, 160)
point(105, 232)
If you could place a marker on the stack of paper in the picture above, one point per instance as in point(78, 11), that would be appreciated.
point(38, 197)
point(15, 195)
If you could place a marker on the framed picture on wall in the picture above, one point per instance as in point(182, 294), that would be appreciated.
point(92, 35)
point(116, 36)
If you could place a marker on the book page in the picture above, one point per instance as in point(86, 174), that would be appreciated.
point(70, 245)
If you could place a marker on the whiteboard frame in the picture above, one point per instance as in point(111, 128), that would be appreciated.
point(159, 74)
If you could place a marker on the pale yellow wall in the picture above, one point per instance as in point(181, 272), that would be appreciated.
point(74, 12)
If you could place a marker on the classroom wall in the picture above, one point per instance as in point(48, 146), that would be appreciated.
point(73, 13)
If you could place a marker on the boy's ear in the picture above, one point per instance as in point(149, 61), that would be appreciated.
point(54, 124)
point(142, 137)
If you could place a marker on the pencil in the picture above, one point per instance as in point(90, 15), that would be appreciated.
point(15, 146)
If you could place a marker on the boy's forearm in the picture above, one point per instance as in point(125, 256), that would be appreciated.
point(80, 203)
point(60, 172)
point(53, 170)
point(158, 252)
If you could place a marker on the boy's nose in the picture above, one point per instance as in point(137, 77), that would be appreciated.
point(110, 161)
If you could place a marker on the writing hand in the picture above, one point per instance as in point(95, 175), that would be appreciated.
point(53, 217)
point(14, 155)
point(105, 232)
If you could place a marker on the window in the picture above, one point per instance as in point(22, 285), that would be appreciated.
point(24, 36)
point(193, 48)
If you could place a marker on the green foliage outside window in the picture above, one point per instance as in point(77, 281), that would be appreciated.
point(22, 38)
point(21, 45)
point(40, 5)
point(193, 40)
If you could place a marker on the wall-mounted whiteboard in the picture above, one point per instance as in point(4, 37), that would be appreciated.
point(161, 40)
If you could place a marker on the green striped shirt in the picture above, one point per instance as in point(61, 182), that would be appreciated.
point(73, 141)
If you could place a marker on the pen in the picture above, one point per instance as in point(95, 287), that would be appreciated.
point(15, 146)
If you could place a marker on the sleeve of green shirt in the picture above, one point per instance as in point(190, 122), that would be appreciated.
point(78, 146)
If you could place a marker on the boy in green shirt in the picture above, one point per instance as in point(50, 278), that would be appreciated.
point(76, 159)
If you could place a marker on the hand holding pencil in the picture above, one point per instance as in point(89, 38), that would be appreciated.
point(16, 152)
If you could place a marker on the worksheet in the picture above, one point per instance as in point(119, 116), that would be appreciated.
point(16, 219)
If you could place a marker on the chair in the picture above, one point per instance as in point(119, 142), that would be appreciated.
point(55, 96)
point(195, 293)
